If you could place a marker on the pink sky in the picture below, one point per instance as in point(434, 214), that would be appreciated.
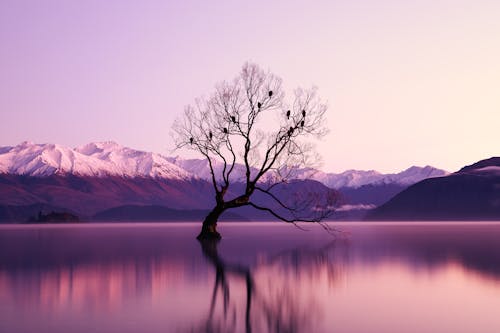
point(408, 82)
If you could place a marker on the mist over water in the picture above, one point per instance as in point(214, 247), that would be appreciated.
point(262, 277)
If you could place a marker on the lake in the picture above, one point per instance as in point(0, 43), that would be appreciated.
point(262, 277)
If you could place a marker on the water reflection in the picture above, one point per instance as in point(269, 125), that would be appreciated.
point(259, 278)
point(428, 247)
point(90, 287)
point(274, 298)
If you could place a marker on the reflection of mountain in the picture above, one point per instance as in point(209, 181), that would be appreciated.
point(469, 194)
point(473, 246)
point(91, 270)
point(91, 288)
point(155, 278)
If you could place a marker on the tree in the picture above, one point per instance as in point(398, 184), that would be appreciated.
point(247, 123)
point(270, 307)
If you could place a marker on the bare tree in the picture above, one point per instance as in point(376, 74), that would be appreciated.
point(247, 123)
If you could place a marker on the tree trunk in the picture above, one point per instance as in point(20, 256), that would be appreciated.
point(209, 227)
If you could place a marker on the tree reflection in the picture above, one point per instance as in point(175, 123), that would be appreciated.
point(267, 297)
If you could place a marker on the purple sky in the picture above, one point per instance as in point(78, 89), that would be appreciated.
point(407, 82)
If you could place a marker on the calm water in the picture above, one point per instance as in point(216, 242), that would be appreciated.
point(262, 277)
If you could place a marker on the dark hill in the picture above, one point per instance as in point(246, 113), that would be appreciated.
point(490, 162)
point(24, 213)
point(371, 194)
point(473, 193)
point(88, 195)
point(131, 213)
point(132, 199)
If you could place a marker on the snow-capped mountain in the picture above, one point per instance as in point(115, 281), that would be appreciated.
point(201, 168)
point(94, 159)
point(104, 175)
point(349, 178)
point(101, 159)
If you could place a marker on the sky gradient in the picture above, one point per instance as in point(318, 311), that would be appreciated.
point(407, 82)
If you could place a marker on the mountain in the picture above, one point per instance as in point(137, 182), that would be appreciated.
point(131, 213)
point(85, 195)
point(489, 166)
point(360, 190)
point(92, 178)
point(94, 159)
point(201, 168)
point(103, 175)
point(106, 180)
point(24, 213)
point(471, 193)
point(99, 159)
point(346, 179)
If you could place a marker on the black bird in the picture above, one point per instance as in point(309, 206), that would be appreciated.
point(290, 131)
point(270, 93)
point(288, 114)
point(302, 123)
point(210, 135)
point(303, 113)
point(225, 130)
point(259, 105)
point(191, 140)
point(233, 118)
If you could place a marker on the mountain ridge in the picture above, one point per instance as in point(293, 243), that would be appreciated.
point(100, 176)
point(93, 159)
point(108, 158)
point(471, 193)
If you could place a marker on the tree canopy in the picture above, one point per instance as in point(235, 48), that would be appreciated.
point(247, 124)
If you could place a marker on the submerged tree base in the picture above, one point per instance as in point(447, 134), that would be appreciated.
point(209, 226)
point(209, 235)
point(209, 232)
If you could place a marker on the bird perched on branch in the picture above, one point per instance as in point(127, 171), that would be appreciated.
point(225, 130)
point(210, 135)
point(303, 113)
point(191, 140)
point(259, 104)
point(270, 93)
point(302, 123)
point(288, 114)
point(233, 119)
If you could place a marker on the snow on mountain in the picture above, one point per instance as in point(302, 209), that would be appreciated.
point(358, 178)
point(201, 168)
point(109, 158)
point(414, 174)
point(349, 178)
point(94, 159)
